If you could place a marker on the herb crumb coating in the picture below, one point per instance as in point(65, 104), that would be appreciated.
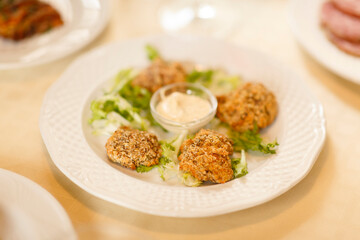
point(207, 156)
point(159, 74)
point(132, 148)
point(249, 104)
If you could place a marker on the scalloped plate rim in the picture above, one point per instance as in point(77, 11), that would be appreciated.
point(213, 212)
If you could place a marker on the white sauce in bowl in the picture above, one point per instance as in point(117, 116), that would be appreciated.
point(183, 108)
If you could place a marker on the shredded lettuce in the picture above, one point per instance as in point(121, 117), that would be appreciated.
point(178, 140)
point(152, 52)
point(217, 81)
point(115, 110)
point(108, 125)
point(142, 168)
point(251, 140)
point(130, 102)
point(121, 79)
point(202, 77)
point(120, 106)
point(168, 166)
point(168, 171)
point(138, 97)
point(168, 150)
point(239, 165)
point(188, 180)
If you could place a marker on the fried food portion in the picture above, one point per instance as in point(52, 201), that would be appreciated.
point(207, 157)
point(132, 148)
point(159, 74)
point(22, 19)
point(249, 104)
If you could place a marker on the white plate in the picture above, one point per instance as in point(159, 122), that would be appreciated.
point(81, 156)
point(304, 18)
point(28, 211)
point(83, 21)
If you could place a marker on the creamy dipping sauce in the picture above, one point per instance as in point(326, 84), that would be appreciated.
point(182, 107)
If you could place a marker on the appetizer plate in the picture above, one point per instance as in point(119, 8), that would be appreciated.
point(83, 21)
point(81, 156)
point(304, 19)
point(28, 211)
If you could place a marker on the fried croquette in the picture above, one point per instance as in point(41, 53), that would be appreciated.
point(248, 105)
point(159, 74)
point(132, 148)
point(207, 157)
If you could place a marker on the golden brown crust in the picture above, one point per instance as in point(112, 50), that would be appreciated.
point(132, 148)
point(207, 157)
point(23, 19)
point(159, 74)
point(251, 103)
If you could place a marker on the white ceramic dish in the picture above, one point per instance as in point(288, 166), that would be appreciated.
point(83, 21)
point(304, 19)
point(28, 211)
point(81, 156)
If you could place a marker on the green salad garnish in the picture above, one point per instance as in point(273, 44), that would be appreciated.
point(123, 104)
point(251, 140)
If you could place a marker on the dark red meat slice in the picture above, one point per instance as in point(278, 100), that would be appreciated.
point(339, 23)
point(349, 6)
point(346, 46)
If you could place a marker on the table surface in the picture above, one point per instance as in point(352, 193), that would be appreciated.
point(324, 205)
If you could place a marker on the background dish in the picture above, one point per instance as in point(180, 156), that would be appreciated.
point(30, 211)
point(299, 129)
point(83, 21)
point(304, 18)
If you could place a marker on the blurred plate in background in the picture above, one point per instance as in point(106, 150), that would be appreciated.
point(304, 18)
point(83, 21)
point(27, 211)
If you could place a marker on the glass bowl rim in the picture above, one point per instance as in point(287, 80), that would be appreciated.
point(212, 100)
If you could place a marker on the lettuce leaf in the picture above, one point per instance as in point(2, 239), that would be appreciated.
point(168, 166)
point(239, 165)
point(251, 140)
point(217, 81)
point(202, 77)
point(142, 168)
point(138, 97)
point(152, 52)
point(188, 180)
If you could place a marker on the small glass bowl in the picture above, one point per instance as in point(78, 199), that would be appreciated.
point(189, 89)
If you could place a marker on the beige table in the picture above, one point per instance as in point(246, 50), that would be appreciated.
point(325, 205)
